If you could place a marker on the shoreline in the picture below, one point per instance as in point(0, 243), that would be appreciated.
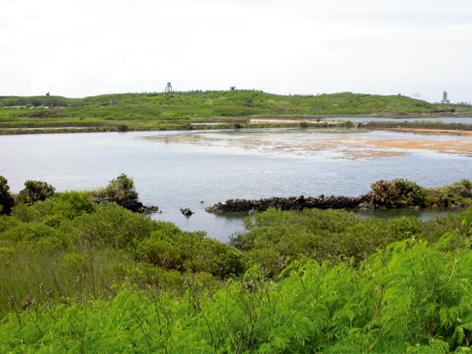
point(255, 123)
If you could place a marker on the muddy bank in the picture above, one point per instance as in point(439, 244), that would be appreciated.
point(420, 126)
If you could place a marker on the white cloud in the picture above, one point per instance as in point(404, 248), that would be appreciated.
point(83, 47)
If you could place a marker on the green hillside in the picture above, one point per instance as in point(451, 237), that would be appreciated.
point(156, 111)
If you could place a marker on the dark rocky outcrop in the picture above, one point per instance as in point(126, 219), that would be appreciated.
point(186, 212)
point(133, 205)
point(290, 203)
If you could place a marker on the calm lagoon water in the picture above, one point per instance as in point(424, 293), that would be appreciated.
point(175, 170)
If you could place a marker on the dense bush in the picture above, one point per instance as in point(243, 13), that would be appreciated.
point(72, 204)
point(277, 238)
point(397, 193)
point(75, 248)
point(455, 194)
point(6, 200)
point(35, 191)
point(120, 191)
point(171, 248)
point(314, 281)
point(110, 226)
point(411, 297)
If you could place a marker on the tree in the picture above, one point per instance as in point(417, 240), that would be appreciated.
point(6, 200)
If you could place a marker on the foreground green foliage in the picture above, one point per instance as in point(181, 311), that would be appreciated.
point(82, 277)
point(159, 111)
point(410, 297)
point(275, 239)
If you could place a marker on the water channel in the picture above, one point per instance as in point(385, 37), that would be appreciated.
point(196, 169)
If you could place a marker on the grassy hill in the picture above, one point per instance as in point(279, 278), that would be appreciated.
point(156, 111)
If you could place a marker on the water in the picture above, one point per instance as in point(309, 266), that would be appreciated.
point(175, 170)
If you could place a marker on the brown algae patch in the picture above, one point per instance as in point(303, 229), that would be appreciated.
point(456, 146)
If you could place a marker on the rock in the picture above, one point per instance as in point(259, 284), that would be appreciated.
point(252, 212)
point(149, 210)
point(187, 212)
point(133, 205)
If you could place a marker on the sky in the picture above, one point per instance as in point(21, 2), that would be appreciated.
point(80, 48)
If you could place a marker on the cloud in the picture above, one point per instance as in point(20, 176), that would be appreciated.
point(83, 47)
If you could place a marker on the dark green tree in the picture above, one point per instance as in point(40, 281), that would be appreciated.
point(6, 200)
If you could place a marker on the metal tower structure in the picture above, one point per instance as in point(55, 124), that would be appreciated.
point(445, 100)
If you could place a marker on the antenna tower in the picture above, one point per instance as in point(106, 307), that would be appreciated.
point(168, 88)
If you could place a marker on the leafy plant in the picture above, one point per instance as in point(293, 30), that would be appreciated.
point(466, 183)
point(120, 191)
point(35, 191)
point(397, 193)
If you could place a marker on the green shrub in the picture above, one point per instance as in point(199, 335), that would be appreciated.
point(72, 204)
point(38, 212)
point(8, 223)
point(466, 183)
point(120, 191)
point(397, 193)
point(6, 200)
point(122, 128)
point(110, 226)
point(170, 248)
point(40, 235)
point(275, 239)
point(75, 262)
point(35, 191)
point(457, 193)
point(121, 188)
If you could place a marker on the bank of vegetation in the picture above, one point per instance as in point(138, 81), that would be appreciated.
point(81, 275)
point(184, 110)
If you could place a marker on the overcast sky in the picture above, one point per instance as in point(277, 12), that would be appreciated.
point(79, 48)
